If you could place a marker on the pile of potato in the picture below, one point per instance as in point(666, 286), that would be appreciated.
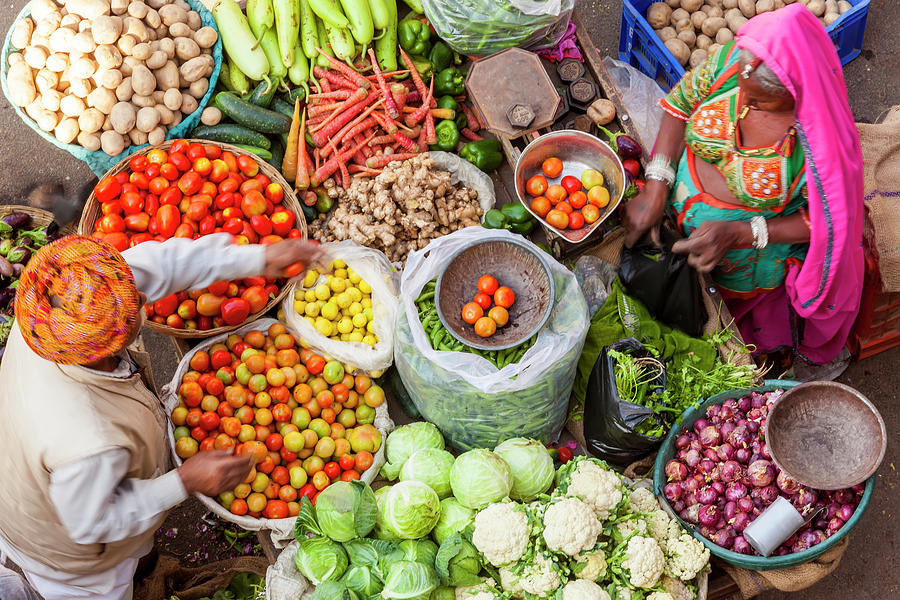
point(695, 29)
point(106, 74)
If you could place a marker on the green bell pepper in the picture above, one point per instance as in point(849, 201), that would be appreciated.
point(449, 82)
point(441, 56)
point(461, 120)
point(448, 102)
point(521, 221)
point(447, 136)
point(494, 219)
point(415, 37)
point(422, 65)
point(484, 154)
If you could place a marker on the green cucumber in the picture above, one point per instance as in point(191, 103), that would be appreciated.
point(252, 116)
point(295, 93)
point(260, 152)
point(277, 154)
point(231, 134)
point(263, 93)
point(282, 107)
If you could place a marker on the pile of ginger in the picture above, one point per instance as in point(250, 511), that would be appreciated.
point(400, 210)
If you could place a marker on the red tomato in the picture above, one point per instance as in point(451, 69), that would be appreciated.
point(212, 151)
point(107, 189)
point(203, 166)
point(235, 310)
point(274, 193)
point(315, 364)
point(576, 220)
point(140, 180)
point(111, 208)
point(282, 222)
point(552, 167)
point(487, 284)
point(541, 206)
point(632, 166)
point(207, 225)
point(332, 469)
point(152, 171)
point(168, 171)
point(572, 184)
point(565, 454)
point(308, 490)
point(140, 238)
point(485, 327)
point(219, 288)
point(247, 165)
point(483, 300)
point(347, 462)
point(578, 199)
point(112, 224)
point(180, 161)
point(132, 203)
point(261, 224)
point(180, 145)
point(536, 186)
point(209, 421)
point(253, 203)
point(256, 297)
point(349, 475)
point(364, 460)
point(504, 297)
point(170, 196)
point(138, 222)
point(471, 312)
point(197, 211)
point(219, 171)
point(556, 194)
point(196, 151)
point(185, 230)
point(119, 241)
point(167, 219)
point(190, 183)
point(166, 306)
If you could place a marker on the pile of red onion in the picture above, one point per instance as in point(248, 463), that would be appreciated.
point(722, 477)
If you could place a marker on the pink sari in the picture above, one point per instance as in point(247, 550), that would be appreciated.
point(824, 292)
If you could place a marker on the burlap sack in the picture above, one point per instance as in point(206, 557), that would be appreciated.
point(190, 583)
point(881, 178)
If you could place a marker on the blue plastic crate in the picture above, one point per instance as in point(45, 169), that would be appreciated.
point(640, 46)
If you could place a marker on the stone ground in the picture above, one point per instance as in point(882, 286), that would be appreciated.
point(868, 569)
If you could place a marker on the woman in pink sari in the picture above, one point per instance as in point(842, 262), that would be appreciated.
point(758, 160)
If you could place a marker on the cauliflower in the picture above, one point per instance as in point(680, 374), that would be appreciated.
point(538, 578)
point(510, 582)
point(625, 528)
point(658, 526)
point(660, 596)
point(642, 500)
point(480, 591)
point(501, 533)
point(686, 557)
point(595, 486)
point(582, 589)
point(570, 526)
point(676, 589)
point(644, 560)
point(590, 565)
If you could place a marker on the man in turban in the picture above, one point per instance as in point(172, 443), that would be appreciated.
point(84, 479)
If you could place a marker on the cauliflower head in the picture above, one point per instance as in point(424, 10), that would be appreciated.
point(571, 526)
point(660, 596)
point(644, 560)
point(626, 528)
point(642, 500)
point(595, 486)
point(676, 589)
point(480, 591)
point(685, 557)
point(540, 578)
point(590, 565)
point(501, 533)
point(582, 589)
point(658, 526)
point(510, 582)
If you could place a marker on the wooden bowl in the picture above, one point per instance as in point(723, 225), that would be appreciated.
point(93, 211)
point(826, 435)
point(516, 265)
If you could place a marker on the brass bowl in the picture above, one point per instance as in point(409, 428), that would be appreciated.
point(826, 435)
point(516, 265)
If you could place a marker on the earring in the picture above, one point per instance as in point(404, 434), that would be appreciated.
point(748, 69)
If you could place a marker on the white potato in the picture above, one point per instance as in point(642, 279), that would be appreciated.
point(122, 116)
point(88, 141)
point(112, 143)
point(91, 120)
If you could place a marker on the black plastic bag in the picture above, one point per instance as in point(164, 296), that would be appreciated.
point(609, 422)
point(665, 283)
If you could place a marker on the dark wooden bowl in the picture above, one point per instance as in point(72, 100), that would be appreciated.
point(826, 435)
point(515, 265)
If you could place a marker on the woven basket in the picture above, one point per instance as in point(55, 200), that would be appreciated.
point(98, 160)
point(92, 211)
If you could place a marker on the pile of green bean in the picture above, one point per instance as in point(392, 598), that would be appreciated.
point(440, 338)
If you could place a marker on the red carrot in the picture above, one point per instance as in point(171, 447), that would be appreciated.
point(373, 78)
point(340, 135)
point(302, 157)
point(334, 78)
point(414, 74)
point(357, 129)
point(422, 139)
point(340, 118)
point(380, 140)
point(437, 113)
point(366, 150)
point(335, 95)
point(430, 135)
point(363, 170)
point(389, 105)
point(400, 94)
point(326, 86)
point(386, 159)
point(326, 170)
point(408, 144)
point(316, 154)
point(420, 113)
point(474, 121)
point(471, 135)
point(318, 109)
point(347, 71)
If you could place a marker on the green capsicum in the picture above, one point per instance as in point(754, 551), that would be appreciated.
point(461, 120)
point(494, 219)
point(447, 136)
point(449, 82)
point(415, 37)
point(484, 154)
point(441, 56)
point(520, 219)
point(448, 102)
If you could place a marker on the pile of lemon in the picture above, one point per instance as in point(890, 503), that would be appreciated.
point(338, 305)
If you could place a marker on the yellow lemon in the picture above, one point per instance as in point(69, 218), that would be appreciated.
point(355, 294)
point(369, 327)
point(368, 313)
point(340, 273)
point(309, 295)
point(345, 337)
point(355, 336)
point(370, 340)
point(343, 300)
point(323, 326)
point(364, 287)
point(309, 280)
point(345, 325)
point(312, 309)
point(299, 295)
point(338, 264)
point(330, 311)
point(366, 302)
point(311, 321)
point(354, 309)
point(360, 320)
point(338, 285)
point(353, 277)
point(300, 306)
point(323, 292)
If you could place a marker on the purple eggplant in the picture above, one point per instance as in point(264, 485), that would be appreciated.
point(19, 254)
point(13, 221)
point(624, 145)
point(6, 268)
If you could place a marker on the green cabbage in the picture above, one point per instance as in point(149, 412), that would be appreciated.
point(409, 510)
point(530, 465)
point(458, 562)
point(405, 441)
point(443, 593)
point(382, 531)
point(408, 580)
point(480, 477)
point(454, 519)
point(319, 559)
point(362, 581)
point(365, 552)
point(431, 466)
point(346, 510)
point(423, 551)
point(333, 590)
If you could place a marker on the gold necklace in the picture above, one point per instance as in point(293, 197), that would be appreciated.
point(732, 136)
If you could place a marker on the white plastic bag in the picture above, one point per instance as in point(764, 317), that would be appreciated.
point(284, 581)
point(282, 529)
point(471, 402)
point(640, 95)
point(375, 269)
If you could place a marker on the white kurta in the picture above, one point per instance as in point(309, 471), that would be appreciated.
point(94, 501)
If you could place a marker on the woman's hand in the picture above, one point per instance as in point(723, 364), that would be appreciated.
point(709, 243)
point(645, 212)
point(284, 254)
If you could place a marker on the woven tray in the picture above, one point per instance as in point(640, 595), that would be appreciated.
point(92, 211)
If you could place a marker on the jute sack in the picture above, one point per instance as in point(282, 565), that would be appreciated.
point(881, 180)
point(169, 577)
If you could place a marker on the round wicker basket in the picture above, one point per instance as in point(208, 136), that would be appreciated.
point(92, 211)
point(39, 217)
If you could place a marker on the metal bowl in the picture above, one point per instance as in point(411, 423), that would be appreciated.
point(578, 151)
point(516, 265)
point(826, 435)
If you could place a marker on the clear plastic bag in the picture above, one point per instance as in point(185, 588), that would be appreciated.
point(640, 95)
point(471, 402)
point(482, 27)
point(375, 269)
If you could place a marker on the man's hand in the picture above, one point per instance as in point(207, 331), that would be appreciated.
point(644, 213)
point(213, 472)
point(281, 255)
point(710, 242)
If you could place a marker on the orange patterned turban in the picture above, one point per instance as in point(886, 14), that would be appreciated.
point(96, 306)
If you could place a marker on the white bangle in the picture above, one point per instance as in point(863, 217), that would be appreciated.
point(660, 169)
point(760, 230)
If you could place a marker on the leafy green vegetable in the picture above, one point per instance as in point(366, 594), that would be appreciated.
point(480, 477)
point(431, 466)
point(381, 531)
point(455, 518)
point(320, 559)
point(346, 510)
point(365, 552)
point(530, 465)
point(423, 551)
point(333, 590)
point(443, 593)
point(362, 581)
point(407, 580)
point(405, 441)
point(410, 509)
point(458, 562)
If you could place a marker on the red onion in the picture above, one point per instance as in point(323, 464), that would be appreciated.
point(764, 451)
point(745, 504)
point(844, 496)
point(691, 458)
point(708, 531)
point(707, 495)
point(768, 494)
point(726, 413)
point(846, 511)
point(739, 437)
point(726, 429)
point(691, 514)
point(709, 436)
point(790, 541)
point(723, 538)
point(700, 424)
point(804, 498)
point(706, 466)
point(755, 415)
point(694, 483)
point(682, 442)
point(729, 510)
point(761, 473)
point(741, 545)
point(678, 506)
point(859, 488)
point(752, 426)
point(713, 411)
point(786, 484)
point(742, 455)
point(718, 486)
point(820, 523)
point(744, 404)
point(735, 491)
point(730, 403)
point(731, 471)
point(709, 515)
point(673, 491)
point(711, 454)
point(690, 498)
point(695, 443)
point(725, 451)
point(676, 471)
point(740, 521)
point(831, 510)
point(835, 524)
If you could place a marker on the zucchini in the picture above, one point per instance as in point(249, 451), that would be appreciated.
point(263, 93)
point(282, 107)
point(291, 96)
point(231, 134)
point(277, 154)
point(260, 152)
point(255, 117)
